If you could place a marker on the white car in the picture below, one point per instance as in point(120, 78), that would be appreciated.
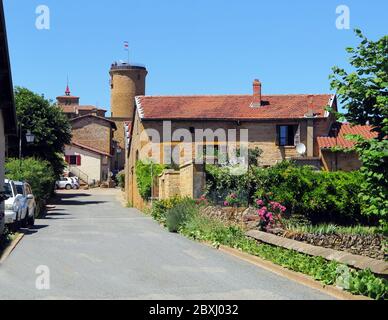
point(75, 182)
point(24, 189)
point(15, 209)
point(65, 183)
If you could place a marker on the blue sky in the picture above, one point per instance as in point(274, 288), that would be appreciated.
point(188, 46)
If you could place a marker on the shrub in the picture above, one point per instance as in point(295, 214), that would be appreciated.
point(318, 196)
point(270, 214)
point(39, 174)
point(160, 208)
point(145, 173)
point(177, 216)
point(121, 179)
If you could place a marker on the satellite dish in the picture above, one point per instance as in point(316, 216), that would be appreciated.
point(301, 149)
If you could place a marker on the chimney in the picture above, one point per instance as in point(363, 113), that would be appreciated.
point(256, 103)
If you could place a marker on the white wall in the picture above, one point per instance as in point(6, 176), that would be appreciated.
point(90, 162)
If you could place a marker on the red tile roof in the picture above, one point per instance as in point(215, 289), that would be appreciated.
point(82, 146)
point(231, 107)
point(112, 123)
point(344, 129)
point(73, 108)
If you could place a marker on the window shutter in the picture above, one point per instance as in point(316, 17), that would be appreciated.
point(297, 135)
point(277, 135)
point(78, 160)
point(67, 159)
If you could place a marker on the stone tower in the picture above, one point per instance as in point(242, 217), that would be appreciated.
point(127, 82)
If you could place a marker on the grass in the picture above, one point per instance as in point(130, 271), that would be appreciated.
point(201, 228)
point(5, 240)
point(330, 229)
point(362, 282)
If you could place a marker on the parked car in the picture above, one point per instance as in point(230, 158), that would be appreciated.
point(65, 183)
point(24, 189)
point(3, 197)
point(75, 182)
point(15, 210)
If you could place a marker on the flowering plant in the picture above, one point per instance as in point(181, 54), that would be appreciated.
point(270, 214)
point(202, 201)
point(231, 200)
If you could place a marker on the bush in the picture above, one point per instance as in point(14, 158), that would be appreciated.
point(39, 174)
point(318, 196)
point(121, 179)
point(177, 216)
point(160, 208)
point(144, 179)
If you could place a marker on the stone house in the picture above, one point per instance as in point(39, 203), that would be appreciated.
point(71, 107)
point(335, 149)
point(275, 123)
point(8, 124)
point(90, 154)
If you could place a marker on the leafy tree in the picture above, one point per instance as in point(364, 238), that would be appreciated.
point(39, 174)
point(364, 92)
point(47, 122)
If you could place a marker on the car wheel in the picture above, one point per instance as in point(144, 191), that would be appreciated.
point(68, 187)
point(25, 221)
point(31, 221)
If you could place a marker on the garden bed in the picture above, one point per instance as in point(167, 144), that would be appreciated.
point(369, 245)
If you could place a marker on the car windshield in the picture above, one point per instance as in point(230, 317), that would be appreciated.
point(19, 189)
point(8, 190)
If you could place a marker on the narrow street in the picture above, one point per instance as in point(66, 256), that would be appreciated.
point(97, 249)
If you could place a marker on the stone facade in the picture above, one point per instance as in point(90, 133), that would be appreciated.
point(261, 134)
point(93, 132)
point(345, 161)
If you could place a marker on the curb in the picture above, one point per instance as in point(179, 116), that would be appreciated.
point(292, 275)
point(7, 252)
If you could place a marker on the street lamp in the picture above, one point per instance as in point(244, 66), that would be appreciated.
point(30, 137)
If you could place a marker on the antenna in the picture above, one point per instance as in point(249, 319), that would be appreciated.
point(301, 149)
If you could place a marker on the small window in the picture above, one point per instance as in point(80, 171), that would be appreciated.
point(286, 135)
point(73, 160)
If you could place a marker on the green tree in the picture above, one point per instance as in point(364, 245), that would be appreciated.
point(47, 122)
point(39, 174)
point(364, 94)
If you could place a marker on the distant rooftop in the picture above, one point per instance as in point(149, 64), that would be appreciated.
point(124, 65)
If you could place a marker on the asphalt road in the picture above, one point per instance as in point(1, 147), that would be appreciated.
point(94, 248)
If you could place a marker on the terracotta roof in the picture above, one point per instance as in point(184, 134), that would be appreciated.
point(88, 107)
point(96, 117)
point(344, 129)
point(82, 146)
point(231, 107)
point(73, 108)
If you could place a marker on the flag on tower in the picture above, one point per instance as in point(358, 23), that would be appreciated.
point(126, 45)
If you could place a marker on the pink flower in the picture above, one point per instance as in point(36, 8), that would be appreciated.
point(226, 203)
point(260, 202)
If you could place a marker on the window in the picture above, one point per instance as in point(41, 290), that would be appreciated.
point(287, 135)
point(19, 189)
point(73, 160)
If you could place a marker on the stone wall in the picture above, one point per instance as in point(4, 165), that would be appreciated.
point(345, 161)
point(169, 184)
point(93, 132)
point(366, 245)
